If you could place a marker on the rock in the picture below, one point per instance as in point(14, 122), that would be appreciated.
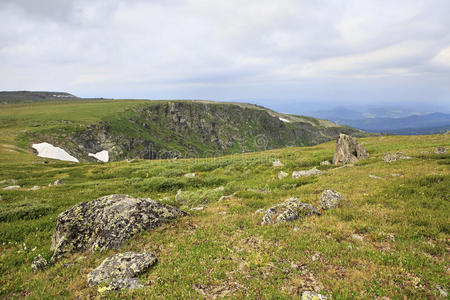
point(313, 171)
point(189, 175)
point(442, 291)
point(289, 210)
point(119, 270)
point(282, 175)
point(39, 263)
point(391, 157)
point(219, 189)
point(35, 188)
point(440, 150)
point(277, 163)
point(59, 182)
point(8, 182)
point(308, 295)
point(396, 175)
point(198, 208)
point(358, 238)
point(330, 199)
point(260, 211)
point(348, 150)
point(107, 222)
point(374, 176)
point(11, 187)
point(325, 163)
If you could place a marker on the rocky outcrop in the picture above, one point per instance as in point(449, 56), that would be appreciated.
point(107, 222)
point(348, 150)
point(120, 270)
point(313, 171)
point(289, 210)
point(392, 157)
point(330, 199)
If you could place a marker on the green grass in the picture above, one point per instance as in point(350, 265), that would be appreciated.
point(223, 250)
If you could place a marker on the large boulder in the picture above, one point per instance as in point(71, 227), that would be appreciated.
point(348, 150)
point(330, 199)
point(289, 210)
point(107, 222)
point(119, 270)
point(306, 173)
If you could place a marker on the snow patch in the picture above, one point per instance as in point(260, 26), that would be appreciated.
point(101, 156)
point(284, 120)
point(49, 151)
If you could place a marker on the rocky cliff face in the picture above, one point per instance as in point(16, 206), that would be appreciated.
point(172, 129)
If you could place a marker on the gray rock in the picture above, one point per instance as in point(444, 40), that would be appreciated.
point(375, 177)
point(277, 163)
point(8, 182)
point(308, 295)
point(59, 182)
point(325, 163)
point(107, 222)
point(396, 175)
point(282, 175)
point(225, 197)
point(178, 196)
point(219, 189)
point(189, 175)
point(35, 188)
point(11, 187)
point(39, 263)
point(348, 150)
point(358, 238)
point(289, 210)
point(442, 291)
point(330, 199)
point(119, 270)
point(440, 150)
point(391, 157)
point(313, 171)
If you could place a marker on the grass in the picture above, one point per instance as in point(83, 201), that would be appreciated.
point(223, 250)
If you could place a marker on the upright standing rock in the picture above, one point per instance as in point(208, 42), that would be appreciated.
point(348, 150)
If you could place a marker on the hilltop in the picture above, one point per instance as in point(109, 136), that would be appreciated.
point(130, 129)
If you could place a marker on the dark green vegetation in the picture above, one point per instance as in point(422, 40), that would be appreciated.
point(28, 97)
point(130, 129)
point(223, 250)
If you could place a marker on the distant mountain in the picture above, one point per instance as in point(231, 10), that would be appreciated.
point(31, 96)
point(421, 124)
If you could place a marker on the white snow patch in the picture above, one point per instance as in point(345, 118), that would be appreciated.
point(49, 151)
point(284, 120)
point(101, 156)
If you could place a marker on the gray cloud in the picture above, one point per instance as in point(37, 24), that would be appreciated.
point(287, 49)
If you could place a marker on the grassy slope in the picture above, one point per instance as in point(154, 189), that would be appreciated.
point(223, 250)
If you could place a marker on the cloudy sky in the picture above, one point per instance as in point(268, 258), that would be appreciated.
point(260, 51)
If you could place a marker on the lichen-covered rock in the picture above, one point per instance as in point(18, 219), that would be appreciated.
point(391, 157)
point(330, 199)
point(289, 210)
point(313, 171)
point(325, 163)
point(119, 270)
point(440, 150)
point(282, 175)
point(39, 263)
point(277, 163)
point(348, 150)
point(308, 295)
point(107, 222)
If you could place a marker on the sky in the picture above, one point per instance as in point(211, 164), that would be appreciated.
point(286, 54)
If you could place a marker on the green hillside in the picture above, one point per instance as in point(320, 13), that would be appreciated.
point(389, 237)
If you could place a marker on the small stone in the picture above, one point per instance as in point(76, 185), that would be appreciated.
point(396, 175)
point(39, 263)
point(374, 176)
point(313, 171)
point(8, 182)
point(225, 198)
point(358, 238)
point(178, 196)
point(330, 199)
point(295, 229)
point(392, 157)
point(440, 150)
point(223, 213)
point(277, 163)
point(289, 210)
point(325, 163)
point(282, 175)
point(189, 175)
point(219, 189)
point(308, 295)
point(59, 182)
point(11, 187)
point(116, 269)
point(442, 291)
point(198, 208)
point(35, 188)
